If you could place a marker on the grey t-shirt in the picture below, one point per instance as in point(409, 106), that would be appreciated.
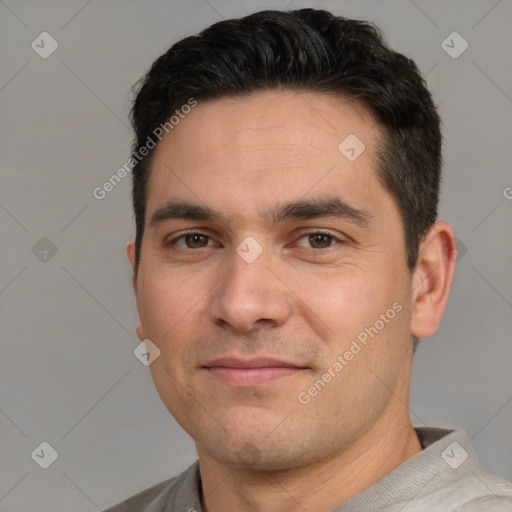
point(445, 477)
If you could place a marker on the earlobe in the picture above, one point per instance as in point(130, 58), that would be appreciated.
point(139, 330)
point(432, 279)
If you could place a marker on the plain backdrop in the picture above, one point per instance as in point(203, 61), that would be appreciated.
point(68, 373)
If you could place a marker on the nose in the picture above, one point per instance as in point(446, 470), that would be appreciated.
point(251, 296)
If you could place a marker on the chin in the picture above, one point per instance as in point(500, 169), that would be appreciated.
point(258, 455)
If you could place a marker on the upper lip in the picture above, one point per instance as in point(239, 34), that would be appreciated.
point(257, 362)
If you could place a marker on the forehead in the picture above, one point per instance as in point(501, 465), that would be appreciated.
point(261, 121)
point(269, 145)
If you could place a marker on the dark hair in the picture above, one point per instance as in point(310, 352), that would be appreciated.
point(312, 51)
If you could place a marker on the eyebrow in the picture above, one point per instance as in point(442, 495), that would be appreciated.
point(298, 210)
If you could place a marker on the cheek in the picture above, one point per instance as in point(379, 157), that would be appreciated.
point(169, 301)
point(166, 296)
point(350, 300)
point(342, 297)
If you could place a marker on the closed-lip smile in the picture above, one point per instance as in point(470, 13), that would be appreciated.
point(250, 372)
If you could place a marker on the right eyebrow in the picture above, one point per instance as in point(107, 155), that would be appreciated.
point(183, 210)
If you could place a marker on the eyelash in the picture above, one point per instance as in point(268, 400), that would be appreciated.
point(188, 233)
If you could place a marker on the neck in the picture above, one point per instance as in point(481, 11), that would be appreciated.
point(315, 488)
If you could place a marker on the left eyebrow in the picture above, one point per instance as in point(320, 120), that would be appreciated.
point(321, 207)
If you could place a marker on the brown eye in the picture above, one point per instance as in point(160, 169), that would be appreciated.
point(320, 240)
point(195, 240)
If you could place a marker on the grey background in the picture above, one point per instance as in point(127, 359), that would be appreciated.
point(68, 373)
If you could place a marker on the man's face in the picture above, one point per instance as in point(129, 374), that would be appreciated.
point(245, 335)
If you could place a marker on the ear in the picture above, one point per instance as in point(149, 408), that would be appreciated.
point(130, 252)
point(432, 279)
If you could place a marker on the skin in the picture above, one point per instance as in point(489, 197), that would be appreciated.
point(302, 301)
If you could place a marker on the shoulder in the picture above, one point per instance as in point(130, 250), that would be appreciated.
point(142, 499)
point(174, 492)
point(488, 504)
point(485, 492)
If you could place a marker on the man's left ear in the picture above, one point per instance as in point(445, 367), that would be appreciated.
point(432, 279)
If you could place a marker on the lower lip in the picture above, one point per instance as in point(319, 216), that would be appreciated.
point(251, 376)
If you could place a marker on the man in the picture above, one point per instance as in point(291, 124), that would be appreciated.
point(287, 254)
